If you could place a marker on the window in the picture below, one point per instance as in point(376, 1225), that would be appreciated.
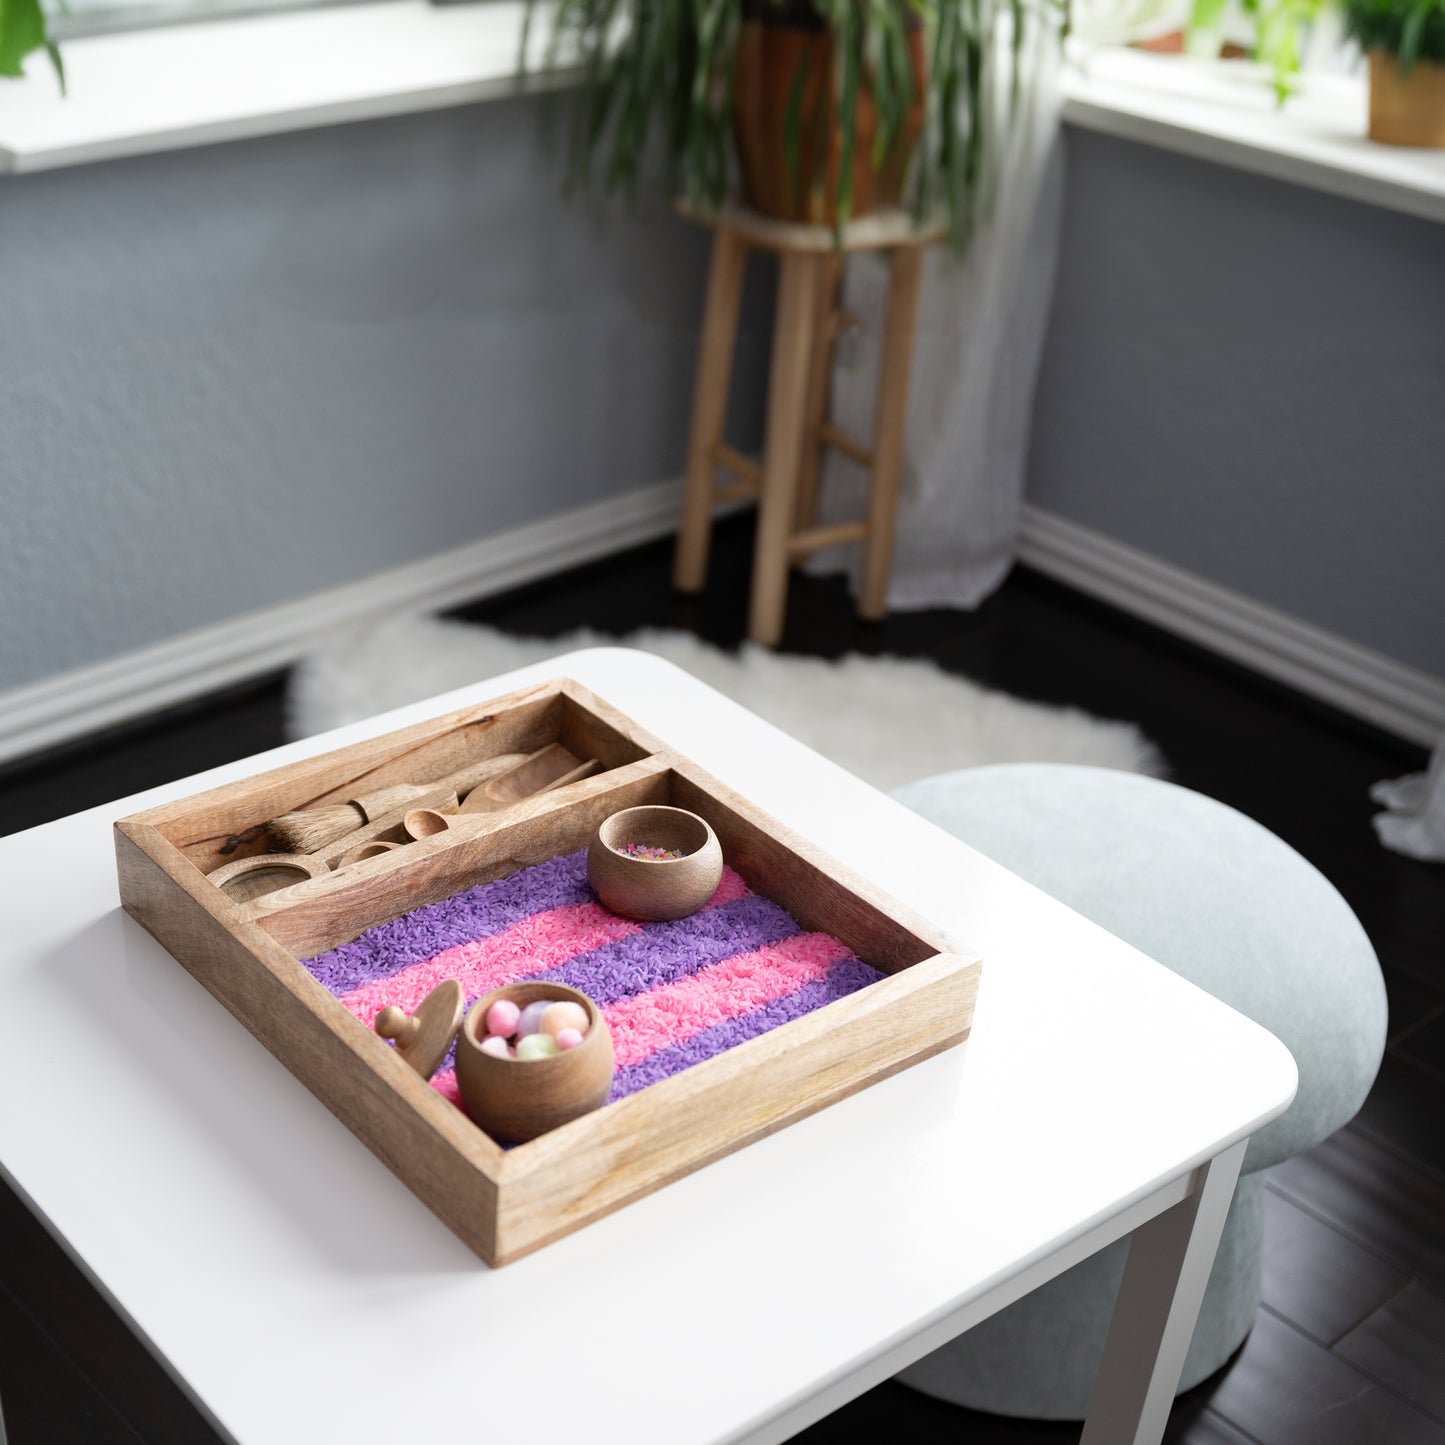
point(95, 17)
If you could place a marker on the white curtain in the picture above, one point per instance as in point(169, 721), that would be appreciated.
point(980, 337)
point(1413, 822)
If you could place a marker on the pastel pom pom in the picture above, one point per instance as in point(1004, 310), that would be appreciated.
point(569, 1038)
point(536, 1046)
point(502, 1018)
point(530, 1019)
point(497, 1047)
point(563, 1014)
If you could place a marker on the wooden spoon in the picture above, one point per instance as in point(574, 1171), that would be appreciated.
point(551, 767)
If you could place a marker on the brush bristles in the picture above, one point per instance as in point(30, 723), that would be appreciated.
point(313, 828)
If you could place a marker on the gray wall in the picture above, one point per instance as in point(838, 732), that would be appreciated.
point(1247, 379)
point(235, 375)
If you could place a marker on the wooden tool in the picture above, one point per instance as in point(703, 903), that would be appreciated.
point(309, 829)
point(362, 851)
point(551, 767)
point(249, 878)
point(423, 823)
point(389, 828)
point(424, 1038)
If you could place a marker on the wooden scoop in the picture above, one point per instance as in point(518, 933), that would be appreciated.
point(551, 767)
point(424, 1038)
point(308, 830)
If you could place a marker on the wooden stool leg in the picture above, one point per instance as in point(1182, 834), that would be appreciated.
point(709, 407)
point(889, 418)
point(793, 336)
point(830, 274)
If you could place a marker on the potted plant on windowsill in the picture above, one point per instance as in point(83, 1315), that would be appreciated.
point(1405, 40)
point(824, 108)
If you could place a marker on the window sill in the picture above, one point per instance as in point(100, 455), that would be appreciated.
point(1226, 113)
point(223, 80)
point(190, 85)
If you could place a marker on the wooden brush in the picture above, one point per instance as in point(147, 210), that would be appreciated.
point(309, 829)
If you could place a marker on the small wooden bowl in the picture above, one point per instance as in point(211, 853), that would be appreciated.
point(518, 1099)
point(654, 888)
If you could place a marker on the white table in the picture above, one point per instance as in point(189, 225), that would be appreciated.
point(300, 1293)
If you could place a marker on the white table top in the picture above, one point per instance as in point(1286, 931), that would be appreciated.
point(303, 1294)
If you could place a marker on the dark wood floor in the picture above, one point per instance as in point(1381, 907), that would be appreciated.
point(1350, 1346)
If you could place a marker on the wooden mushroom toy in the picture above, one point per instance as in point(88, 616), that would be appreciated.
point(424, 1038)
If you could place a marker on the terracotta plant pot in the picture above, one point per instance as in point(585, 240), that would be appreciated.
point(768, 59)
point(518, 1099)
point(1406, 110)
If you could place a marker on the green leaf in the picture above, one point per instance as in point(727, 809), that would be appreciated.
point(1205, 16)
point(22, 31)
point(1410, 33)
point(662, 70)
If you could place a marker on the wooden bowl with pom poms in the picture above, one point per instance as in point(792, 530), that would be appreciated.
point(518, 1099)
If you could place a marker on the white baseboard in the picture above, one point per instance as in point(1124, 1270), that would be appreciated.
point(75, 703)
point(1355, 679)
point(57, 709)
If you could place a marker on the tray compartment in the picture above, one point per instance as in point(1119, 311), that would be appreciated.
point(224, 824)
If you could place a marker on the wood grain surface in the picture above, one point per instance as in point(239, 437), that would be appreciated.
point(505, 1203)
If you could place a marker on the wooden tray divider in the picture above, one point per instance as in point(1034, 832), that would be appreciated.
point(200, 826)
point(522, 722)
point(591, 726)
point(321, 913)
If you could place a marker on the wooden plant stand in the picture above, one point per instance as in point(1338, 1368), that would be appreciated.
point(785, 483)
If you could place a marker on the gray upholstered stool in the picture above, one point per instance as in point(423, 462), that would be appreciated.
point(1223, 902)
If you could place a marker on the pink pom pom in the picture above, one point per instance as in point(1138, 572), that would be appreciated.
point(569, 1038)
point(502, 1018)
point(497, 1047)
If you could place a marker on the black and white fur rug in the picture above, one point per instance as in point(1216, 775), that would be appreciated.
point(889, 720)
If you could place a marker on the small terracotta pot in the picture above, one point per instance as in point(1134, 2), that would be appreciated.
point(1406, 110)
point(518, 1099)
point(654, 888)
point(770, 57)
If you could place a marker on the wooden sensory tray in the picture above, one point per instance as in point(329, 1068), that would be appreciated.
point(506, 1202)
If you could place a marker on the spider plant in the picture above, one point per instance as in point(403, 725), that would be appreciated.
point(662, 71)
point(1279, 26)
point(1410, 30)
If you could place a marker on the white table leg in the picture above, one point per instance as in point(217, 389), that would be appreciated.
point(1168, 1266)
